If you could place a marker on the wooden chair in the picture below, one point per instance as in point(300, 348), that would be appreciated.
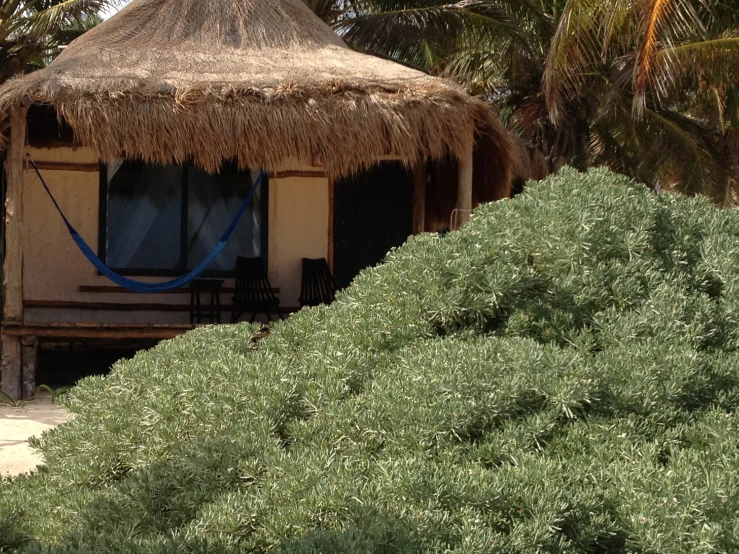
point(317, 284)
point(199, 311)
point(253, 291)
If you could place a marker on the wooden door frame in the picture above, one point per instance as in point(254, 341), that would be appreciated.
point(331, 224)
point(420, 176)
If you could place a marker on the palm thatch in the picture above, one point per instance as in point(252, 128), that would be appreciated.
point(255, 80)
point(490, 180)
point(529, 164)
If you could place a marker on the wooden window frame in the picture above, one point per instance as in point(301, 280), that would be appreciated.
point(134, 272)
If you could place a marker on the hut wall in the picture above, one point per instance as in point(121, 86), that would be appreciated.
point(298, 228)
point(54, 268)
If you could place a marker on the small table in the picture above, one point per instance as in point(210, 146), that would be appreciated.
point(211, 312)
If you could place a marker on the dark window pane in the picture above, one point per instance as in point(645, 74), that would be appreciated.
point(213, 202)
point(144, 215)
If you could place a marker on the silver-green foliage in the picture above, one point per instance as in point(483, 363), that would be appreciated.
point(562, 376)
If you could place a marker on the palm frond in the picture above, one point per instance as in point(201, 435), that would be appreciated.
point(664, 23)
point(692, 159)
point(575, 48)
point(421, 33)
point(58, 14)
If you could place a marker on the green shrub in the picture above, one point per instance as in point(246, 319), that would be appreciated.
point(561, 376)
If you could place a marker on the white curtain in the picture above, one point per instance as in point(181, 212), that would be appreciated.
point(136, 209)
point(213, 203)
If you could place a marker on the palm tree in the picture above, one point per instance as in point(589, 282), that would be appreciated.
point(664, 75)
point(32, 30)
point(647, 87)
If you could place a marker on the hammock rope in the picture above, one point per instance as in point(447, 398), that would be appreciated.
point(140, 286)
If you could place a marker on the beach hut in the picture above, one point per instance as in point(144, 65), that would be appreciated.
point(150, 131)
point(529, 164)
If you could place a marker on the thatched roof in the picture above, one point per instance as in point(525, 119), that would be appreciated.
point(529, 164)
point(256, 80)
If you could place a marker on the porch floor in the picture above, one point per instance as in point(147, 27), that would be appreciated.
point(96, 330)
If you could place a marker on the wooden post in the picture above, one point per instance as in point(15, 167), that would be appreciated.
point(11, 367)
point(419, 198)
point(464, 187)
point(13, 266)
point(331, 223)
point(29, 366)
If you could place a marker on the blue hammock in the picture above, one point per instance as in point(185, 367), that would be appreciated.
point(139, 286)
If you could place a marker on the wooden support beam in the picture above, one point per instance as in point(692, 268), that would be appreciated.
point(29, 366)
point(13, 267)
point(121, 306)
point(64, 166)
point(112, 306)
point(92, 333)
point(109, 289)
point(319, 174)
point(420, 177)
point(10, 366)
point(464, 188)
point(112, 289)
point(331, 223)
point(97, 331)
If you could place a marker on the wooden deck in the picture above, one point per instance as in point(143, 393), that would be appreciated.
point(81, 331)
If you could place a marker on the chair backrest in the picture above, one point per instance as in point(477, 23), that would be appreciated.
point(317, 285)
point(251, 280)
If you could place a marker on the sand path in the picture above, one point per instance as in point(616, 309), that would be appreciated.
point(17, 425)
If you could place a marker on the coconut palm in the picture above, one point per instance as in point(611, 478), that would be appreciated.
point(646, 87)
point(664, 74)
point(32, 30)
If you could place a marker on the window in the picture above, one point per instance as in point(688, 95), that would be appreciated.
point(165, 219)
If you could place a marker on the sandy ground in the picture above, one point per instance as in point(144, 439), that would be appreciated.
point(17, 425)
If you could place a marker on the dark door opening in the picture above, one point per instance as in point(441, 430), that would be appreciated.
point(373, 212)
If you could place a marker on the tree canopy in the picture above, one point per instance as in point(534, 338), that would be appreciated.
point(31, 31)
point(648, 88)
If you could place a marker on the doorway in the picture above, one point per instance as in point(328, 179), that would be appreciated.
point(373, 212)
